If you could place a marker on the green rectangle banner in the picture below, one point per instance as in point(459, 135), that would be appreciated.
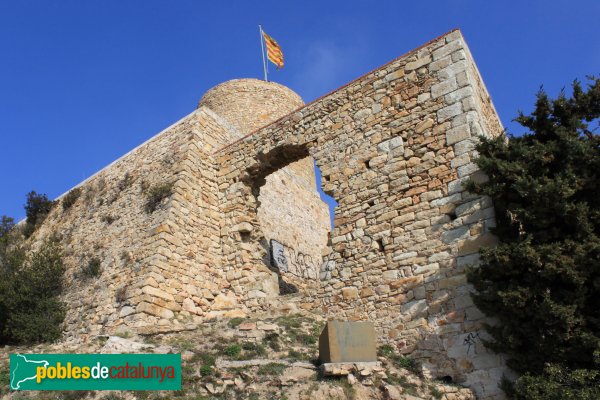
point(95, 371)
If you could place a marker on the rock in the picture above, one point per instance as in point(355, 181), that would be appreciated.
point(163, 350)
point(341, 369)
point(187, 355)
point(392, 392)
point(188, 305)
point(155, 310)
point(125, 311)
point(117, 345)
point(299, 373)
point(267, 327)
point(247, 326)
point(211, 388)
point(224, 302)
point(352, 379)
point(350, 293)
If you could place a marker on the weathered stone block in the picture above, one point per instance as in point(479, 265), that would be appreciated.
point(347, 342)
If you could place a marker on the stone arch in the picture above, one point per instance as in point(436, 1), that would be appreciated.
point(275, 159)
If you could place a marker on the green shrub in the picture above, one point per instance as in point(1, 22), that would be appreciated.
point(4, 378)
point(70, 198)
point(6, 226)
point(37, 209)
point(399, 361)
point(272, 340)
point(30, 286)
point(252, 350)
point(271, 369)
point(206, 358)
point(206, 370)
point(235, 322)
point(92, 268)
point(386, 350)
point(156, 195)
point(290, 321)
point(233, 350)
point(406, 363)
point(558, 383)
point(306, 339)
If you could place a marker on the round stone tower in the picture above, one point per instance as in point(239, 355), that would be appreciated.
point(249, 104)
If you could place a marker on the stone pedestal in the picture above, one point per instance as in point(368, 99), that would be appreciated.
point(347, 342)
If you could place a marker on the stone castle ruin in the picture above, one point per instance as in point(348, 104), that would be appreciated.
point(219, 216)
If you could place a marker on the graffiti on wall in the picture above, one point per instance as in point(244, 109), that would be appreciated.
point(471, 340)
point(290, 261)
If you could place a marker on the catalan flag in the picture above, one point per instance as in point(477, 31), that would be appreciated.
point(274, 53)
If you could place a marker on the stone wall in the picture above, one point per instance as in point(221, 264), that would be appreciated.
point(109, 222)
point(161, 270)
point(394, 147)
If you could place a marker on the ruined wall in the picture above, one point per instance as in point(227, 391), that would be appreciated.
point(394, 148)
point(161, 270)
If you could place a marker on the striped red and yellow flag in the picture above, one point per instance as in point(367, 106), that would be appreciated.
point(274, 53)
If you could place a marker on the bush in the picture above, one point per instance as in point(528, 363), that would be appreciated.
point(306, 339)
point(30, 285)
point(233, 351)
point(70, 198)
point(252, 350)
point(156, 195)
point(386, 350)
point(235, 322)
point(558, 383)
point(92, 268)
point(542, 282)
point(206, 370)
point(37, 209)
point(271, 369)
point(107, 219)
point(399, 361)
point(272, 340)
point(6, 226)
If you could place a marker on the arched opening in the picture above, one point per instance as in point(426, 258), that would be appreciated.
point(295, 221)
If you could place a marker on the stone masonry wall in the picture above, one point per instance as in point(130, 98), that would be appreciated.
point(161, 270)
point(109, 222)
point(394, 148)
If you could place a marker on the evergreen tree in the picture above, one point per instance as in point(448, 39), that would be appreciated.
point(37, 208)
point(31, 281)
point(542, 282)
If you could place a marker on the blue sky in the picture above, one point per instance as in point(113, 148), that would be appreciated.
point(83, 82)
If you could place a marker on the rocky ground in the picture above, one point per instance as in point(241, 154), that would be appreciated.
point(265, 358)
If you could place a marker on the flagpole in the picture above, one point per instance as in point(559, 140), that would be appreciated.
point(262, 47)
